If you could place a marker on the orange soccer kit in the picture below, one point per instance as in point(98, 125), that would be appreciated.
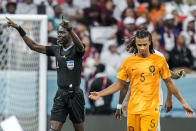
point(144, 74)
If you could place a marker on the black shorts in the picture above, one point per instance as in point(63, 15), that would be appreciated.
point(68, 103)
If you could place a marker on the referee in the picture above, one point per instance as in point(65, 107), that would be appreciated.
point(69, 98)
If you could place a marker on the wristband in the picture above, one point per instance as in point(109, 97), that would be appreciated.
point(21, 31)
point(119, 106)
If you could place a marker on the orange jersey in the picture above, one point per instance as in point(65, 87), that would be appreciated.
point(144, 74)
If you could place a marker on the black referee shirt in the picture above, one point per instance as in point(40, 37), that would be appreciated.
point(68, 63)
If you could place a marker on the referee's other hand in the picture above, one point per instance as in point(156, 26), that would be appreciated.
point(11, 23)
point(94, 95)
point(118, 114)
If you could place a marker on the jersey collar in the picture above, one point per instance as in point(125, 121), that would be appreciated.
point(65, 49)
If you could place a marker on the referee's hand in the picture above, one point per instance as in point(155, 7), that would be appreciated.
point(94, 95)
point(118, 114)
point(65, 24)
point(11, 23)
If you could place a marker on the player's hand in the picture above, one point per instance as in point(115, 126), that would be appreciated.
point(188, 109)
point(94, 95)
point(118, 114)
point(181, 73)
point(11, 23)
point(65, 24)
point(168, 105)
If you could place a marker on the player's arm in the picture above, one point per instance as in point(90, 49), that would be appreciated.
point(123, 93)
point(30, 43)
point(174, 90)
point(74, 37)
point(119, 84)
point(174, 75)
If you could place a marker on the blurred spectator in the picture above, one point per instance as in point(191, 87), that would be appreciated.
point(57, 16)
point(156, 44)
point(125, 31)
point(1, 7)
point(128, 12)
point(132, 3)
point(10, 8)
point(190, 2)
point(92, 15)
point(142, 10)
point(110, 58)
point(168, 32)
point(193, 11)
point(142, 22)
point(180, 56)
point(71, 11)
point(26, 7)
point(124, 52)
point(189, 31)
point(90, 59)
point(120, 6)
point(156, 11)
point(107, 18)
point(181, 7)
point(52, 33)
point(177, 19)
point(49, 8)
point(81, 30)
point(143, 1)
point(81, 4)
point(100, 82)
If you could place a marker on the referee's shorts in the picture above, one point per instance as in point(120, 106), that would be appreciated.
point(68, 102)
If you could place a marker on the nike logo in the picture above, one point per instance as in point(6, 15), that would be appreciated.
point(133, 69)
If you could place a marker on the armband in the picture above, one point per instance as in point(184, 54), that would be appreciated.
point(21, 31)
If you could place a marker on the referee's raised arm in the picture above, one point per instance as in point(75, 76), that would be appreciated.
point(66, 24)
point(30, 43)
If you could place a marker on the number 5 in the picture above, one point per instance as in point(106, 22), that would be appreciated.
point(142, 79)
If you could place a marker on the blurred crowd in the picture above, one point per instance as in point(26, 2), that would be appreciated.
point(105, 26)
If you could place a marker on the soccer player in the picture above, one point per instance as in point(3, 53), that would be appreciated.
point(143, 69)
point(168, 103)
point(69, 98)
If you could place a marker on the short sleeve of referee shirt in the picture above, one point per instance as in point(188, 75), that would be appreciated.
point(50, 50)
point(122, 73)
point(164, 70)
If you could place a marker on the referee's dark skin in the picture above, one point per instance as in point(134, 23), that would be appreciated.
point(72, 49)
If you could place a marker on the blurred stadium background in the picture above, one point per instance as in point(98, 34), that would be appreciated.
point(28, 80)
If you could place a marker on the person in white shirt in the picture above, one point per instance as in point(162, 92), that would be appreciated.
point(26, 7)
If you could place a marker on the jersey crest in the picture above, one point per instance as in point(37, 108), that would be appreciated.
point(70, 64)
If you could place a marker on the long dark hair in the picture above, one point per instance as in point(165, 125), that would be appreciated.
point(141, 33)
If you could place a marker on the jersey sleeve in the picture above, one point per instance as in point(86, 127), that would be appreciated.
point(79, 52)
point(50, 50)
point(122, 73)
point(165, 72)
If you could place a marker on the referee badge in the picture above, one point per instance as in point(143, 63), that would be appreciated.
point(70, 64)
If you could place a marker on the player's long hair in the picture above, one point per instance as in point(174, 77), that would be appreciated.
point(141, 33)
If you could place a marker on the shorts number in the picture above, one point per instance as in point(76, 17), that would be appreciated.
point(131, 128)
point(152, 123)
point(142, 79)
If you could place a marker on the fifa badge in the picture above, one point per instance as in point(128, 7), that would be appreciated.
point(70, 64)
